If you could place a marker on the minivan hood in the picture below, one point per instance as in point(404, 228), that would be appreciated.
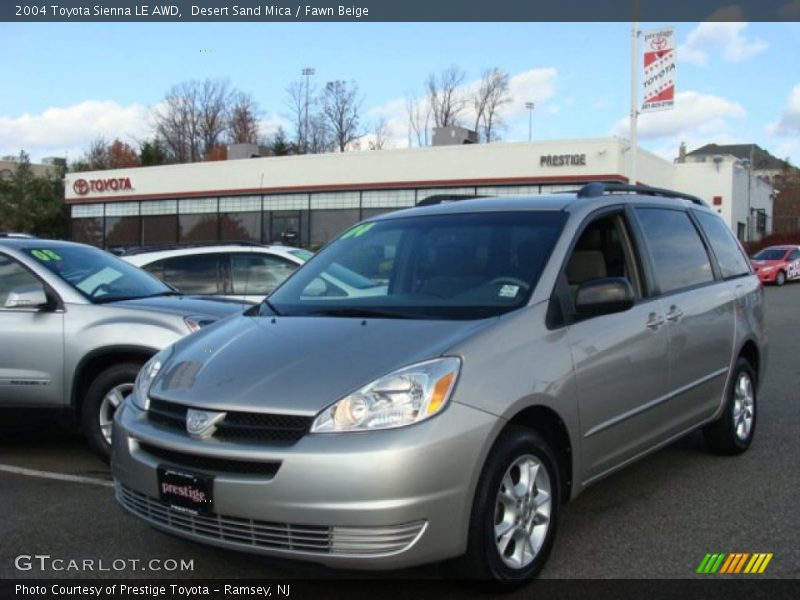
point(185, 305)
point(297, 365)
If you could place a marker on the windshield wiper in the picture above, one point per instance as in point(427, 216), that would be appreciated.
point(107, 299)
point(343, 311)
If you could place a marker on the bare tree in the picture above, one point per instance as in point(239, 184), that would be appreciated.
point(177, 122)
point(243, 119)
point(214, 98)
point(445, 96)
point(419, 117)
point(490, 97)
point(320, 135)
point(380, 135)
point(296, 97)
point(341, 106)
point(193, 118)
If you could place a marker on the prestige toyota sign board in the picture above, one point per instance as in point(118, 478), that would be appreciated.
point(658, 82)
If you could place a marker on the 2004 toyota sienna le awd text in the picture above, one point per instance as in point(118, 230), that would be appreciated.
point(507, 353)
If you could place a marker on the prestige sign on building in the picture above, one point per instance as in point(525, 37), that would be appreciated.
point(659, 69)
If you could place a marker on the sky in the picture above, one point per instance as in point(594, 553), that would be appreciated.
point(65, 84)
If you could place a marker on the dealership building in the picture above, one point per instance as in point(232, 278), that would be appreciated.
point(315, 197)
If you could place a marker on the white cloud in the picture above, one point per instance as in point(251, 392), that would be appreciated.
point(789, 122)
point(723, 35)
point(533, 85)
point(62, 131)
point(694, 113)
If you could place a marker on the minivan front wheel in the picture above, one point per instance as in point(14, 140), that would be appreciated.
point(515, 512)
point(733, 432)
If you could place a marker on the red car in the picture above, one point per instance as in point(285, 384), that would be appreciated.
point(777, 264)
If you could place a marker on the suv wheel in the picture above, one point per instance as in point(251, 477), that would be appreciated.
point(514, 514)
point(103, 398)
point(733, 432)
point(780, 278)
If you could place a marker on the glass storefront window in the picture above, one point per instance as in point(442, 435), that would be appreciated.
point(122, 231)
point(327, 224)
point(88, 230)
point(198, 228)
point(244, 226)
point(159, 229)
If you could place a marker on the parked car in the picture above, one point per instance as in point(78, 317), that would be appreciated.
point(246, 272)
point(777, 264)
point(520, 349)
point(76, 325)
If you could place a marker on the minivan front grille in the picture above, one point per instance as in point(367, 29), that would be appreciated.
point(211, 463)
point(237, 425)
point(313, 539)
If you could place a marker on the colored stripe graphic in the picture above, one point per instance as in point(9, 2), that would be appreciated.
point(734, 563)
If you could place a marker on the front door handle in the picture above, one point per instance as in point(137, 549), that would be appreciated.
point(654, 321)
point(674, 314)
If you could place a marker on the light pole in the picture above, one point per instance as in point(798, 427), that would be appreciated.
point(530, 106)
point(307, 73)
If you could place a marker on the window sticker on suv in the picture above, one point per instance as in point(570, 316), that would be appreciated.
point(45, 255)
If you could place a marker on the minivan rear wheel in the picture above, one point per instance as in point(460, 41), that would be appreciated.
point(514, 514)
point(103, 398)
point(733, 432)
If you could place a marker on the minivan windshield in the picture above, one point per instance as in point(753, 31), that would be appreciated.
point(99, 276)
point(446, 266)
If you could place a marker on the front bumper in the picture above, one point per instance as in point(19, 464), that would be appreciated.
point(767, 276)
point(383, 499)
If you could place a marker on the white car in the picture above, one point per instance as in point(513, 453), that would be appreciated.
point(248, 272)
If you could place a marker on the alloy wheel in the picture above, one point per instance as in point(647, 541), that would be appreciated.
point(522, 511)
point(743, 406)
point(111, 402)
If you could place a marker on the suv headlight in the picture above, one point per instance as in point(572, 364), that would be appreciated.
point(145, 378)
point(406, 396)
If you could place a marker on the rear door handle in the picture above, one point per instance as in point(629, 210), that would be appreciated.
point(674, 314)
point(654, 321)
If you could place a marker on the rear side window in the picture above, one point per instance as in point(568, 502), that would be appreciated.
point(731, 261)
point(679, 255)
point(258, 274)
point(198, 274)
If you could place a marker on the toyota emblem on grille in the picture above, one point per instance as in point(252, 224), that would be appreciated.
point(202, 424)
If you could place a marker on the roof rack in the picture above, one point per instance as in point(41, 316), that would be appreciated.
point(161, 247)
point(16, 235)
point(443, 198)
point(595, 189)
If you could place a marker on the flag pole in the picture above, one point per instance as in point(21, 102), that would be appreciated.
point(634, 134)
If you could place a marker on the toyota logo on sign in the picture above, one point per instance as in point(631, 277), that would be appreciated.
point(81, 187)
point(658, 43)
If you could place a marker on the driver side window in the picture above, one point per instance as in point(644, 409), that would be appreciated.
point(14, 278)
point(603, 250)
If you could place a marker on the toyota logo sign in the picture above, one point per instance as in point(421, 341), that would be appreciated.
point(81, 187)
point(107, 184)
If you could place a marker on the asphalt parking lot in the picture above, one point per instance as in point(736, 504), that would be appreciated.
point(656, 519)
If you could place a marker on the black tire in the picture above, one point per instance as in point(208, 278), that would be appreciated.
point(113, 376)
point(780, 278)
point(723, 436)
point(483, 564)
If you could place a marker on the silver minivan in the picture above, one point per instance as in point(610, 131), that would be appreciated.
point(505, 354)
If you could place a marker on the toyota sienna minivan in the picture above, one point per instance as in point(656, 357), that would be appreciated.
point(505, 354)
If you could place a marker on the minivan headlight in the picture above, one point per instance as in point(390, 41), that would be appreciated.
point(406, 396)
point(145, 378)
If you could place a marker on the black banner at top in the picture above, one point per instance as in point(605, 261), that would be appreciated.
point(283, 11)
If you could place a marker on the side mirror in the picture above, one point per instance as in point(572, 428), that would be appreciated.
point(27, 297)
point(604, 296)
